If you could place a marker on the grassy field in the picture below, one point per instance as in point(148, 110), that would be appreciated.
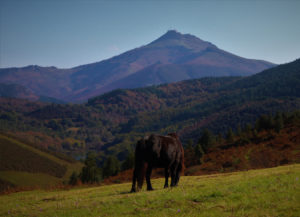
point(31, 166)
point(265, 192)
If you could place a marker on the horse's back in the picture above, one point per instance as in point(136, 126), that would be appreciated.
point(180, 154)
point(171, 148)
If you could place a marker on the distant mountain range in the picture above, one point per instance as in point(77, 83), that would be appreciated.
point(170, 58)
point(17, 91)
point(21, 92)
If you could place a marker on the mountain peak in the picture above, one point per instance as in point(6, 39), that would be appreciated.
point(174, 38)
point(172, 34)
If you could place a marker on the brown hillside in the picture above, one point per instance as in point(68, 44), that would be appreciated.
point(269, 150)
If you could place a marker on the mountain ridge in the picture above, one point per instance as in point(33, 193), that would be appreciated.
point(188, 56)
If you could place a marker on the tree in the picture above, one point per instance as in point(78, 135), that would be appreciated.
point(111, 166)
point(248, 129)
point(66, 123)
point(73, 179)
point(53, 124)
point(264, 122)
point(90, 172)
point(189, 144)
point(239, 130)
point(278, 122)
point(230, 136)
point(190, 158)
point(199, 153)
point(129, 162)
point(255, 134)
point(219, 138)
point(206, 140)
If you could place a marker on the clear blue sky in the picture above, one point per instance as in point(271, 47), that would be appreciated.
point(67, 33)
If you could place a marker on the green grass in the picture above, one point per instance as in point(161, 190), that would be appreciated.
point(24, 177)
point(266, 192)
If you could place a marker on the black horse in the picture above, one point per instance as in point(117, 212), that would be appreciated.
point(157, 151)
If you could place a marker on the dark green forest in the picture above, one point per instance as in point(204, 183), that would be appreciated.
point(111, 124)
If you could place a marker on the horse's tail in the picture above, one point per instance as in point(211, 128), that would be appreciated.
point(182, 166)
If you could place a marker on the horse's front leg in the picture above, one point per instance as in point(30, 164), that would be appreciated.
point(148, 174)
point(133, 189)
point(166, 177)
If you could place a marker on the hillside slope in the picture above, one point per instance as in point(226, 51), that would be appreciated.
point(172, 57)
point(22, 165)
point(265, 192)
point(20, 92)
point(17, 91)
point(214, 103)
point(251, 150)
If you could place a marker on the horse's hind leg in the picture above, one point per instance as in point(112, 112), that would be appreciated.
point(177, 176)
point(148, 174)
point(166, 177)
point(173, 174)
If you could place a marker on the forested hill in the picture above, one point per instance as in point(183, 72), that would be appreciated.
point(282, 80)
point(216, 103)
point(111, 123)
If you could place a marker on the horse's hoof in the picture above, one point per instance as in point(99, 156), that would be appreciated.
point(166, 186)
point(150, 189)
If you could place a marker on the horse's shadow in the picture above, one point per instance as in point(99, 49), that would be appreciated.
point(125, 192)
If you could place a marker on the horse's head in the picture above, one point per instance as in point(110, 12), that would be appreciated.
point(140, 160)
point(141, 145)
